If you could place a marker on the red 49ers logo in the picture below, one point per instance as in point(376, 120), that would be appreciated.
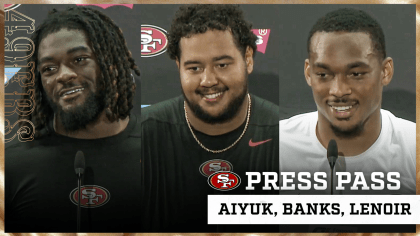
point(153, 40)
point(212, 166)
point(224, 180)
point(92, 196)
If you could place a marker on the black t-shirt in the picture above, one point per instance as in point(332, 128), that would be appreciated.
point(40, 183)
point(175, 170)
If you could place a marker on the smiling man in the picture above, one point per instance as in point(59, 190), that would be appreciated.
point(83, 96)
point(347, 69)
point(216, 125)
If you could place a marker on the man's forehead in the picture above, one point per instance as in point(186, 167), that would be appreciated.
point(200, 44)
point(341, 44)
point(64, 38)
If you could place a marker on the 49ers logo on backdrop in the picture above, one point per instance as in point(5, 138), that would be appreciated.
point(154, 40)
point(92, 196)
point(212, 166)
point(8, 7)
point(224, 180)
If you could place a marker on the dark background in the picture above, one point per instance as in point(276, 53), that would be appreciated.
point(399, 26)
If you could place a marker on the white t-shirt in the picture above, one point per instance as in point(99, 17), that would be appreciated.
point(393, 151)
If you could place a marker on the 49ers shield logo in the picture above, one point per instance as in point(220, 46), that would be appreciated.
point(92, 196)
point(154, 40)
point(224, 180)
point(212, 166)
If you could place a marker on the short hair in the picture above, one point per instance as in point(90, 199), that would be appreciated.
point(114, 60)
point(351, 20)
point(197, 19)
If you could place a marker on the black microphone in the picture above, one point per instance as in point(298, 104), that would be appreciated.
point(79, 163)
point(332, 155)
point(79, 167)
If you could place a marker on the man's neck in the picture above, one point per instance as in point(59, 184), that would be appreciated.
point(350, 146)
point(101, 128)
point(219, 129)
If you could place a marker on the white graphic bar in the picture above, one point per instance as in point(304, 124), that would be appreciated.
point(313, 209)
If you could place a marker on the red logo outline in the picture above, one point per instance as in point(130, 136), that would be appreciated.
point(211, 181)
point(105, 199)
point(202, 166)
point(165, 37)
point(8, 7)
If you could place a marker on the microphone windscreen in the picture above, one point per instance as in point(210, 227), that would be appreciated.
point(79, 162)
point(332, 150)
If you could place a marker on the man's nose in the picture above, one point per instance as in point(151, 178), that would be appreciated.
point(65, 74)
point(340, 87)
point(209, 78)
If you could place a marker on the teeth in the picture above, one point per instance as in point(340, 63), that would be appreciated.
point(212, 96)
point(73, 91)
point(342, 108)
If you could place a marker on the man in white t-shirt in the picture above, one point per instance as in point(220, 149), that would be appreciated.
point(347, 69)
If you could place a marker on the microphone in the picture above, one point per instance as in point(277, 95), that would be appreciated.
point(79, 168)
point(332, 155)
point(79, 163)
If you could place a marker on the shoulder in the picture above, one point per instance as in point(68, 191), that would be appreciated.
point(265, 111)
point(401, 131)
point(167, 111)
point(299, 123)
point(21, 155)
point(399, 126)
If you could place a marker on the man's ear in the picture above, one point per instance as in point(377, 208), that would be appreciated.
point(177, 62)
point(387, 71)
point(306, 72)
point(249, 59)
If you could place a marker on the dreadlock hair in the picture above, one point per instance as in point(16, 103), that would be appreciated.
point(197, 19)
point(351, 20)
point(114, 59)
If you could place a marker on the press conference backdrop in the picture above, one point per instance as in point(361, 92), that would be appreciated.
point(160, 76)
point(145, 29)
point(20, 24)
point(399, 26)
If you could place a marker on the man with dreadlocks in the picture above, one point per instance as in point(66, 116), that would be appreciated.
point(215, 126)
point(84, 92)
point(347, 69)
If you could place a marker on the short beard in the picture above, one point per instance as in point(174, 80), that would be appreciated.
point(79, 117)
point(226, 115)
point(350, 133)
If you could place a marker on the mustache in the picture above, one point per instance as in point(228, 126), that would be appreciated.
point(204, 90)
point(341, 100)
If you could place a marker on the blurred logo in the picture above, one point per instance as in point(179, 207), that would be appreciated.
point(262, 39)
point(92, 196)
point(154, 40)
point(224, 180)
point(212, 166)
point(8, 7)
point(105, 6)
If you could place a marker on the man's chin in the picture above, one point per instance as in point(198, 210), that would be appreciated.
point(78, 116)
point(347, 131)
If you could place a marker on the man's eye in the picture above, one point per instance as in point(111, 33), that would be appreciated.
point(222, 65)
point(357, 74)
point(47, 69)
point(321, 75)
point(80, 59)
point(194, 69)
